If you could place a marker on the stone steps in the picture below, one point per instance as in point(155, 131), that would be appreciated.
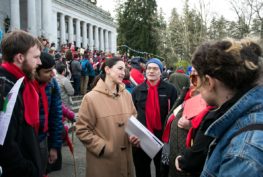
point(76, 101)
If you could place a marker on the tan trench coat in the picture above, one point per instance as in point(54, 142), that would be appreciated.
point(101, 122)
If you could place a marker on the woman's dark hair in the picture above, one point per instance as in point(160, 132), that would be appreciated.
point(235, 63)
point(108, 62)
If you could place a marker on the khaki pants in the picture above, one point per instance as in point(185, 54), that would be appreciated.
point(84, 80)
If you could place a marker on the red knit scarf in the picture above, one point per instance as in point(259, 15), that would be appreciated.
point(41, 90)
point(30, 96)
point(167, 129)
point(196, 121)
point(152, 108)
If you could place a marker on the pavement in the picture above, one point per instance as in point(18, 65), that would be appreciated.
point(68, 167)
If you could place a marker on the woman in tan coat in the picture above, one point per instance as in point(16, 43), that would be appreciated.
point(103, 114)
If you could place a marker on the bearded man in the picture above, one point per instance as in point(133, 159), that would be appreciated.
point(19, 150)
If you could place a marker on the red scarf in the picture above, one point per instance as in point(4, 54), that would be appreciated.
point(166, 132)
point(126, 82)
point(152, 108)
point(196, 121)
point(41, 90)
point(30, 96)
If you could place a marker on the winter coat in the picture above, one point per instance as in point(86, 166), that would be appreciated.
point(240, 155)
point(179, 80)
point(66, 89)
point(55, 125)
point(86, 68)
point(167, 96)
point(75, 68)
point(136, 76)
point(101, 124)
point(20, 153)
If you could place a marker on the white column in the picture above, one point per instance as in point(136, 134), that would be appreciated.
point(101, 39)
point(70, 30)
point(114, 42)
point(110, 41)
point(31, 17)
point(96, 37)
point(91, 37)
point(84, 35)
point(39, 17)
point(62, 29)
point(46, 16)
point(106, 41)
point(15, 14)
point(77, 33)
point(54, 34)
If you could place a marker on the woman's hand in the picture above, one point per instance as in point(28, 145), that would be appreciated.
point(177, 163)
point(184, 123)
point(134, 140)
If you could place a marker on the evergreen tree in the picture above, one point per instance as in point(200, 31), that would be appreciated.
point(138, 25)
point(174, 38)
point(162, 36)
point(185, 33)
point(218, 28)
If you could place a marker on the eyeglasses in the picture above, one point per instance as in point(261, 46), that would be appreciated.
point(152, 68)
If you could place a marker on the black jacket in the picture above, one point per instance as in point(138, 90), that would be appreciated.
point(167, 96)
point(20, 153)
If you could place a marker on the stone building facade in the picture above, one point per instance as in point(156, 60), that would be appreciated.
point(62, 21)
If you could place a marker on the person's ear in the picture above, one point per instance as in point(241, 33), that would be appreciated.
point(210, 82)
point(19, 58)
point(107, 69)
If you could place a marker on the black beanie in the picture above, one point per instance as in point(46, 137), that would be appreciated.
point(47, 61)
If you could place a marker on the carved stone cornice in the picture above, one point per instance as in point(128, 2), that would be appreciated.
point(88, 9)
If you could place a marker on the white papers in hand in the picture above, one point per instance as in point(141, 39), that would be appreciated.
point(148, 141)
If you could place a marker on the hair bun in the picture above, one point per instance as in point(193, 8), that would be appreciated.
point(224, 45)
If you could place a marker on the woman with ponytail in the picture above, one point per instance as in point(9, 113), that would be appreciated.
point(103, 114)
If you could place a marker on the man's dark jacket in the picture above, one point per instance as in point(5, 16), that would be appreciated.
point(20, 154)
point(167, 96)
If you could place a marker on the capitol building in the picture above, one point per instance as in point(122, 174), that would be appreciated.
point(61, 21)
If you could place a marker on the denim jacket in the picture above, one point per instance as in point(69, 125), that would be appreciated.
point(241, 155)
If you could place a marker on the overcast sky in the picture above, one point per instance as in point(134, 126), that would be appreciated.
point(214, 7)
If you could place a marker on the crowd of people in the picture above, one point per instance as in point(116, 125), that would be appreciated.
point(210, 120)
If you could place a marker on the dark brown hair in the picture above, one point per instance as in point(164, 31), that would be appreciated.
point(110, 63)
point(235, 63)
point(16, 42)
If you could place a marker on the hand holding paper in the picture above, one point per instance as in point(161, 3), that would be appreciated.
point(148, 141)
point(134, 140)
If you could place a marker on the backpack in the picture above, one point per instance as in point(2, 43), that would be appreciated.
point(84, 67)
